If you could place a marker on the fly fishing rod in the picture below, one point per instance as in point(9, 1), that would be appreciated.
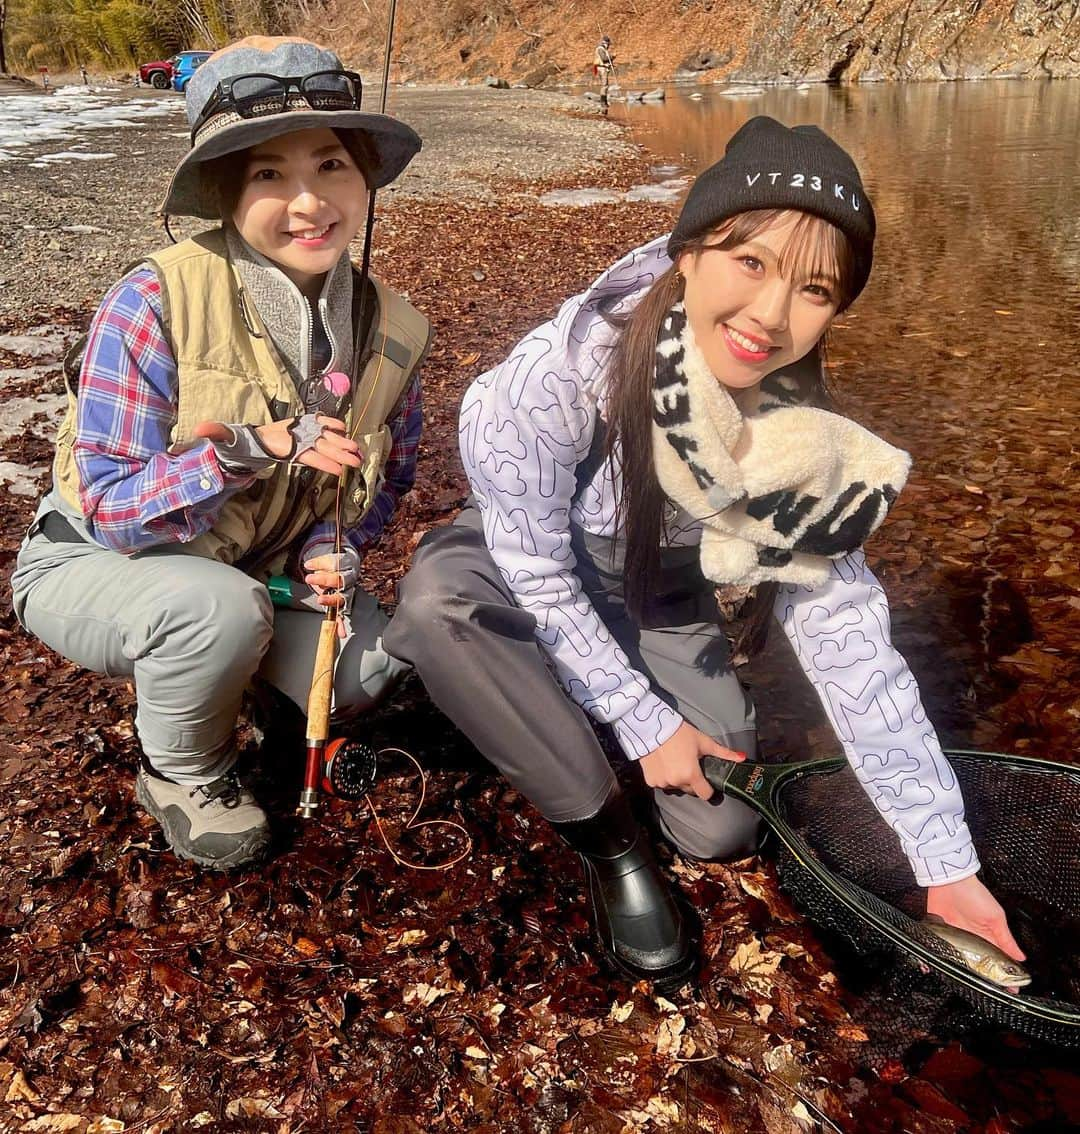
point(344, 768)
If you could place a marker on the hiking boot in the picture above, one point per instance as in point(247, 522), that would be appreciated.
point(218, 825)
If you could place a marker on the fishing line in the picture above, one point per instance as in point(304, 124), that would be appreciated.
point(412, 825)
point(352, 436)
point(365, 266)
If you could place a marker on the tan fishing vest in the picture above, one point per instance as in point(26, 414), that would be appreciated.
point(231, 372)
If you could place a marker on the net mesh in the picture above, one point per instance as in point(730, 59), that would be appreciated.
point(1026, 827)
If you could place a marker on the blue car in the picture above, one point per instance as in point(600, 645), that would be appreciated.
point(184, 66)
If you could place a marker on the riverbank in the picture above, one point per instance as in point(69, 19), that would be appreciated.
point(333, 988)
point(70, 225)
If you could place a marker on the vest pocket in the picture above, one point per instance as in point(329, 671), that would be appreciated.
point(375, 449)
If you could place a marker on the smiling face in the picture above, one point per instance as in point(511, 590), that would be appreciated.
point(302, 199)
point(760, 296)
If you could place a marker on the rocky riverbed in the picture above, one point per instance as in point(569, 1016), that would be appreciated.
point(70, 224)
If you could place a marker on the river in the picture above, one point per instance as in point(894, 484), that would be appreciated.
point(964, 349)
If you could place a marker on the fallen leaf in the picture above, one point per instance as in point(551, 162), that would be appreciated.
point(406, 940)
point(252, 1107)
point(55, 1124)
point(755, 965)
point(422, 995)
point(669, 1036)
point(621, 1012)
point(19, 1090)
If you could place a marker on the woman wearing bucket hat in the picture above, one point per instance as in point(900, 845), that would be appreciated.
point(663, 434)
point(226, 382)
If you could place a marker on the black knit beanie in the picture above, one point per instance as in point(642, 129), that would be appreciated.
point(767, 165)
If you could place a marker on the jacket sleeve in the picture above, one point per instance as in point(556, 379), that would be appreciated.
point(524, 428)
point(841, 634)
point(134, 494)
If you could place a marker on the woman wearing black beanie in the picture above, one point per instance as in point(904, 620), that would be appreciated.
point(666, 432)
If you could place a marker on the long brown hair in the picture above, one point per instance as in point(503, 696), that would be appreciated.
point(814, 247)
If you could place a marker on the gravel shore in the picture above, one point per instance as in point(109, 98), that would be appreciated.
point(68, 228)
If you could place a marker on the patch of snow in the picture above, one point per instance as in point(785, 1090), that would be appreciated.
point(22, 373)
point(576, 198)
point(45, 342)
point(71, 155)
point(34, 120)
point(16, 413)
point(669, 190)
point(22, 480)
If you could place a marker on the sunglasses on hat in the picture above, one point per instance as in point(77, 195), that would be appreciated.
point(257, 95)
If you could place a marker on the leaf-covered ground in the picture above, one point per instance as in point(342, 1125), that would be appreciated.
point(334, 989)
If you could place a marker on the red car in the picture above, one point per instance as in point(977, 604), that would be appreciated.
point(157, 74)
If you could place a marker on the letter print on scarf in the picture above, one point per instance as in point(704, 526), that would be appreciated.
point(873, 704)
point(780, 487)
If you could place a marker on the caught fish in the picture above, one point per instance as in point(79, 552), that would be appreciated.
point(980, 955)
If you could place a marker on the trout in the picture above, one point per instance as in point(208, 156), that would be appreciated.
point(980, 955)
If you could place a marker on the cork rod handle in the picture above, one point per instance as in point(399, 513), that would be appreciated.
point(322, 682)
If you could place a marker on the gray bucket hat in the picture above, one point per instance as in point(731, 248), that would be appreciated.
point(273, 112)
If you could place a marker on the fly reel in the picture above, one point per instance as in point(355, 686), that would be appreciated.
point(349, 768)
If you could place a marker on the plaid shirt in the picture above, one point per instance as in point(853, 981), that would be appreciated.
point(134, 493)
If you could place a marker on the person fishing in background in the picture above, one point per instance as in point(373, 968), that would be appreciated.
point(226, 383)
point(666, 432)
point(604, 66)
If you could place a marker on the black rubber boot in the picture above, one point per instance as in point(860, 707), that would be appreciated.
point(634, 911)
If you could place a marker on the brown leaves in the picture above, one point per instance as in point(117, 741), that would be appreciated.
point(330, 989)
point(1032, 661)
point(755, 966)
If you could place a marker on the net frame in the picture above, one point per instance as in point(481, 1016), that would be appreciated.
point(874, 925)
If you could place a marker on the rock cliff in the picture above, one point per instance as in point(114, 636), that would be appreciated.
point(540, 43)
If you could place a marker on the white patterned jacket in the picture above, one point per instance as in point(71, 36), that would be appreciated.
point(525, 427)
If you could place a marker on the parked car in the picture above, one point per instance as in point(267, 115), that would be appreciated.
point(185, 65)
point(157, 74)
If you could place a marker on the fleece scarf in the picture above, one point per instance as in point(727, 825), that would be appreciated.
point(781, 488)
point(316, 345)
